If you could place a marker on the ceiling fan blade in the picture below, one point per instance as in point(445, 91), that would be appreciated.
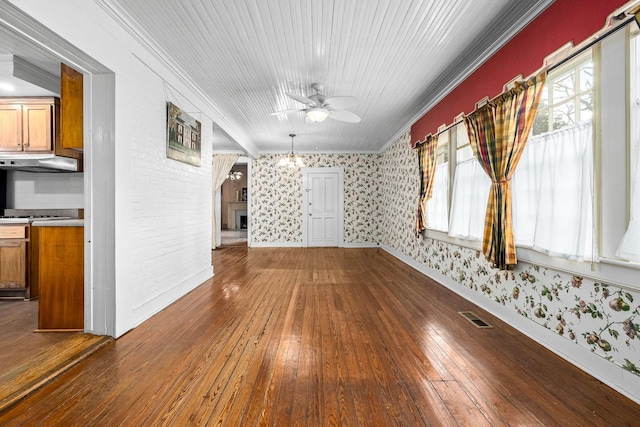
point(302, 99)
point(344, 116)
point(340, 102)
point(284, 112)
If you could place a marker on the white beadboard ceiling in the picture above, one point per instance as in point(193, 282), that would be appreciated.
point(398, 57)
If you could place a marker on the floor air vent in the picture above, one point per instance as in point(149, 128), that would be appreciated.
point(478, 322)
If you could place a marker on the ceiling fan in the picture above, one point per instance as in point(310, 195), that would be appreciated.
point(319, 107)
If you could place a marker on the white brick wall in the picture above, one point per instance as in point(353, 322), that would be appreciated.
point(171, 201)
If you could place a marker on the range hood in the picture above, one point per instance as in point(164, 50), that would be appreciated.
point(39, 163)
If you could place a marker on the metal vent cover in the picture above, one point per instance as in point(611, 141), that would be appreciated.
point(475, 320)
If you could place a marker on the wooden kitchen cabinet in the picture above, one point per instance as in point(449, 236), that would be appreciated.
point(71, 108)
point(28, 124)
point(14, 240)
point(57, 269)
point(13, 264)
point(10, 127)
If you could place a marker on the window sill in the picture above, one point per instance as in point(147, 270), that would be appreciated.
point(611, 271)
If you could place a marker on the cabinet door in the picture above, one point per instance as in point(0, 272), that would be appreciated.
point(11, 127)
point(13, 264)
point(71, 118)
point(36, 127)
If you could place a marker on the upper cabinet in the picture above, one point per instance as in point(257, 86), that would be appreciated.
point(70, 108)
point(28, 124)
point(45, 124)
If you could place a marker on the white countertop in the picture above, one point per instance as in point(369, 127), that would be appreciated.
point(14, 221)
point(74, 222)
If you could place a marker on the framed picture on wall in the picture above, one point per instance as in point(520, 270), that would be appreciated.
point(243, 195)
point(183, 136)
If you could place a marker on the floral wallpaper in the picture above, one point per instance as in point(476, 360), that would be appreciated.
point(276, 197)
point(600, 317)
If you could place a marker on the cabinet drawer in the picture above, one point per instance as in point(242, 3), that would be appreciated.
point(13, 231)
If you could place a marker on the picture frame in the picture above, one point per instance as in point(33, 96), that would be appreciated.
point(243, 196)
point(183, 136)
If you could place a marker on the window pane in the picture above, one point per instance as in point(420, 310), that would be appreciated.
point(544, 98)
point(462, 137)
point(586, 108)
point(586, 76)
point(564, 87)
point(464, 151)
point(541, 124)
point(438, 204)
point(469, 201)
point(563, 115)
point(443, 148)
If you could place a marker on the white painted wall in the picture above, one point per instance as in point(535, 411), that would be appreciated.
point(162, 208)
point(27, 190)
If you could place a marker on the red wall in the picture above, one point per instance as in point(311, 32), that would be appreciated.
point(561, 22)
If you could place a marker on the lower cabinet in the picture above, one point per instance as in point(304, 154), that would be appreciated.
point(13, 264)
point(57, 269)
point(14, 243)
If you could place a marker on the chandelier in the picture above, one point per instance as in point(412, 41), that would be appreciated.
point(233, 175)
point(291, 160)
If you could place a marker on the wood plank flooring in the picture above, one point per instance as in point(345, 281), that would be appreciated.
point(41, 368)
point(18, 342)
point(320, 337)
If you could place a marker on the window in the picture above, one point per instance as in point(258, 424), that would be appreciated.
point(629, 248)
point(552, 194)
point(470, 191)
point(438, 204)
point(552, 188)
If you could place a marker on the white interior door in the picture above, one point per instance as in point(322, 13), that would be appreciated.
point(323, 208)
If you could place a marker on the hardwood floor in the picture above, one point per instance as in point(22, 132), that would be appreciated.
point(233, 237)
point(321, 337)
point(18, 342)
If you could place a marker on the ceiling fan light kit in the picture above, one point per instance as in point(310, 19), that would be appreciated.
point(317, 115)
point(319, 107)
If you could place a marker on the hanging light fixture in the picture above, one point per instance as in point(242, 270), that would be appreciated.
point(233, 175)
point(291, 160)
point(317, 114)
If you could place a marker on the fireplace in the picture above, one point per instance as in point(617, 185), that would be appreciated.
point(241, 220)
point(235, 211)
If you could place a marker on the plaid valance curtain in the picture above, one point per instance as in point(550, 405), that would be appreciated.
point(427, 162)
point(498, 133)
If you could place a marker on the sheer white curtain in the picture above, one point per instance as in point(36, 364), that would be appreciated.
point(629, 248)
point(438, 204)
point(222, 164)
point(553, 194)
point(469, 200)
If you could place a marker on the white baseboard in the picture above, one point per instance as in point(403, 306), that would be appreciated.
point(360, 245)
point(299, 245)
point(275, 244)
